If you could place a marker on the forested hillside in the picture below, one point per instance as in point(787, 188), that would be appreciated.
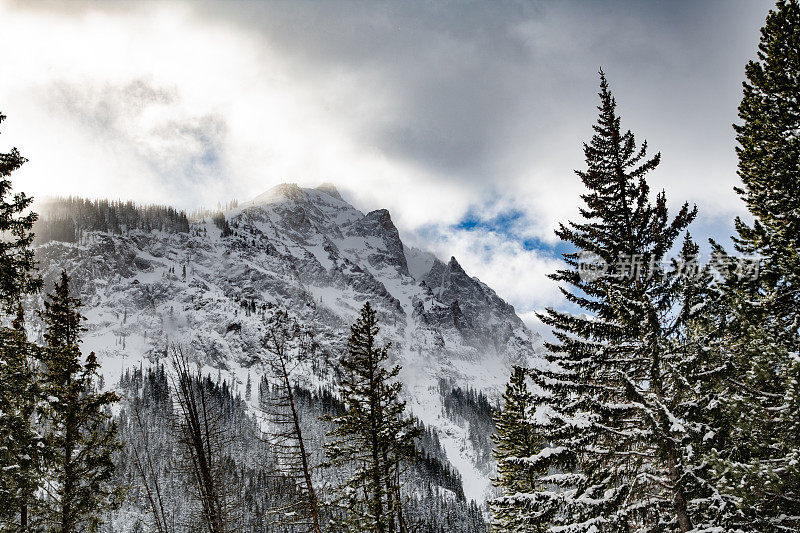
point(157, 471)
point(68, 219)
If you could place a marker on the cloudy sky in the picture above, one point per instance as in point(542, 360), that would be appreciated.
point(465, 119)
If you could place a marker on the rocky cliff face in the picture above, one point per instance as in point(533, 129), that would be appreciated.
point(312, 253)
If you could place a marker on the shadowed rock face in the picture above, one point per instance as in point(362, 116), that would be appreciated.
point(480, 305)
point(379, 224)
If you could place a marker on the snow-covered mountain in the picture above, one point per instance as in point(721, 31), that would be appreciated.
point(311, 252)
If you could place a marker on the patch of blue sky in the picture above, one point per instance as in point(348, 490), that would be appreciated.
point(511, 224)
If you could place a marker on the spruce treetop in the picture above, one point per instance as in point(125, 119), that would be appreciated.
point(16, 257)
point(621, 224)
point(769, 156)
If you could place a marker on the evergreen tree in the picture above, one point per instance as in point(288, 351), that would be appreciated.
point(697, 365)
point(769, 158)
point(760, 464)
point(373, 435)
point(516, 438)
point(614, 459)
point(16, 256)
point(19, 472)
point(80, 435)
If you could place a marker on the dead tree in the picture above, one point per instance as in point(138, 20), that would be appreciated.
point(287, 346)
point(200, 435)
point(143, 460)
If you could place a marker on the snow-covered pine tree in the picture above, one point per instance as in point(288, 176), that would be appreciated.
point(515, 438)
point(760, 465)
point(696, 367)
point(20, 472)
point(17, 265)
point(373, 436)
point(19, 469)
point(769, 159)
point(80, 437)
point(288, 345)
point(612, 462)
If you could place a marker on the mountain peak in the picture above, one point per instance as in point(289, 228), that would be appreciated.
point(330, 189)
point(326, 193)
point(290, 191)
point(319, 258)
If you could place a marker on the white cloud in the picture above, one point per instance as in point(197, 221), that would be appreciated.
point(517, 274)
point(416, 110)
point(156, 104)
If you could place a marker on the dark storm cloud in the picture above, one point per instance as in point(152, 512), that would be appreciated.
point(450, 74)
point(476, 88)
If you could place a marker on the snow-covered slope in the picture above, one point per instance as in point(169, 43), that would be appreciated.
point(309, 251)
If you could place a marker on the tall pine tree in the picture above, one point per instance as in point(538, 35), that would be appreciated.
point(769, 160)
point(80, 434)
point(20, 416)
point(698, 385)
point(19, 467)
point(760, 463)
point(373, 436)
point(614, 459)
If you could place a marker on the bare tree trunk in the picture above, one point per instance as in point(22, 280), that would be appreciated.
point(197, 437)
point(153, 495)
point(678, 496)
point(403, 528)
point(281, 337)
point(390, 492)
point(67, 510)
point(374, 407)
point(312, 497)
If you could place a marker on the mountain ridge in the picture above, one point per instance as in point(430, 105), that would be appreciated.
point(313, 253)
